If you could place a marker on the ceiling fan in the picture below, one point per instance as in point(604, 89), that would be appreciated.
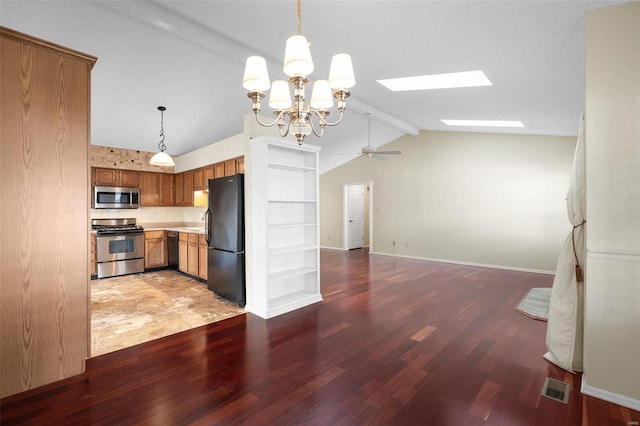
point(371, 152)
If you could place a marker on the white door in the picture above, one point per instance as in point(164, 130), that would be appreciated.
point(355, 216)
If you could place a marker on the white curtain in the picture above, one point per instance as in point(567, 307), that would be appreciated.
point(566, 316)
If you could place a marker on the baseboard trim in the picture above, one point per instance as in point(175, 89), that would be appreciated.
point(608, 396)
point(458, 262)
point(333, 248)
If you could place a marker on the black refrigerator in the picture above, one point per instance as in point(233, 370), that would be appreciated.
point(224, 232)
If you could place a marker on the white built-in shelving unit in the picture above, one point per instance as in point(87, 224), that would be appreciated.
point(285, 259)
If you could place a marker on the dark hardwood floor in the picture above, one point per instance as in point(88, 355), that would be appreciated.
point(395, 342)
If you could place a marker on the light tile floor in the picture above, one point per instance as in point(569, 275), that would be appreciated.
point(133, 309)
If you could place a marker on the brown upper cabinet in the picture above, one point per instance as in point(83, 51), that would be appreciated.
point(179, 182)
point(156, 189)
point(230, 167)
point(167, 189)
point(149, 189)
point(184, 189)
point(240, 165)
point(219, 169)
point(198, 179)
point(209, 173)
point(187, 193)
point(115, 177)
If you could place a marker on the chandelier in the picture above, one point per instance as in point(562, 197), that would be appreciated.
point(297, 115)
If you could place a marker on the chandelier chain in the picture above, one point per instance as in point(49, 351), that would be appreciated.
point(299, 17)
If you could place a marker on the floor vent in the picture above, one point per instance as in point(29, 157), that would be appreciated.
point(556, 390)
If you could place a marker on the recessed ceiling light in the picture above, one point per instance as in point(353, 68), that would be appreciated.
point(483, 123)
point(437, 81)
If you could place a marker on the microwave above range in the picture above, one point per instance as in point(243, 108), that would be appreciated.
point(110, 197)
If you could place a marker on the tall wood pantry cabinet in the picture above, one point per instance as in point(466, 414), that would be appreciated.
point(284, 255)
point(44, 214)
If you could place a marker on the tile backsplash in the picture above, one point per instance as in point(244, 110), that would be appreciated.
point(129, 159)
point(190, 215)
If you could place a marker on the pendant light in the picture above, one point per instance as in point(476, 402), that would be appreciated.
point(162, 158)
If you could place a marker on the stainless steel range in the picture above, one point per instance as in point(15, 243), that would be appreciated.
point(119, 246)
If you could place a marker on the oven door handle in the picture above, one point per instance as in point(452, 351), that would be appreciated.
point(207, 222)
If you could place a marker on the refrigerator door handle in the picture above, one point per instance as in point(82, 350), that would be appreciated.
point(207, 222)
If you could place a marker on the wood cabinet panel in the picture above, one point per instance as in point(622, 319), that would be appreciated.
point(128, 178)
point(155, 249)
point(179, 188)
point(230, 167)
point(202, 261)
point(104, 177)
point(182, 254)
point(209, 173)
point(192, 258)
point(149, 189)
point(44, 290)
point(167, 189)
point(187, 192)
point(240, 165)
point(153, 235)
point(219, 169)
point(198, 179)
point(114, 177)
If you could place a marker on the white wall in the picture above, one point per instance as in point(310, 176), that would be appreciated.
point(223, 150)
point(478, 198)
point(612, 284)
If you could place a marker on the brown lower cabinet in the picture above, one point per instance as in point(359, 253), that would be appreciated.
point(155, 249)
point(192, 254)
point(203, 257)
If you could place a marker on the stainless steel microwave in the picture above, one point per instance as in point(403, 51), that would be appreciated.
point(109, 197)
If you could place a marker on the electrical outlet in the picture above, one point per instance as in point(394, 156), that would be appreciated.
point(408, 244)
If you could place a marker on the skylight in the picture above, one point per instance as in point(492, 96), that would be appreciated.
point(483, 123)
point(437, 81)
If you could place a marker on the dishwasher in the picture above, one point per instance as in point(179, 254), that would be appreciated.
point(172, 248)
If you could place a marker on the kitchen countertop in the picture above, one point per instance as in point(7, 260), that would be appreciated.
point(194, 228)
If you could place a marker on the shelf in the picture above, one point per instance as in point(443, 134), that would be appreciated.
point(288, 167)
point(291, 225)
point(290, 273)
point(292, 249)
point(290, 201)
point(298, 299)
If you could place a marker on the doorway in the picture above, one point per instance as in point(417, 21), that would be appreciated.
point(357, 223)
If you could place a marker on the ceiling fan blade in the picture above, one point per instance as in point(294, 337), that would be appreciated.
point(389, 152)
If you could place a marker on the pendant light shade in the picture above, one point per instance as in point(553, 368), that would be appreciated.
point(162, 158)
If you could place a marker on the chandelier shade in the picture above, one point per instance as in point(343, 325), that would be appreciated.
point(321, 97)
point(341, 72)
point(296, 115)
point(297, 57)
point(280, 97)
point(256, 75)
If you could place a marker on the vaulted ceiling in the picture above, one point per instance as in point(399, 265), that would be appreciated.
point(189, 56)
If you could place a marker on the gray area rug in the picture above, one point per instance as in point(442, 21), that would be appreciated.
point(535, 304)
